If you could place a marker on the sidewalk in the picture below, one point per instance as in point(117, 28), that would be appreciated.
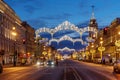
point(17, 65)
point(96, 64)
point(102, 65)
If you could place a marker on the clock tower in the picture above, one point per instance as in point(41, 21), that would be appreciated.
point(93, 24)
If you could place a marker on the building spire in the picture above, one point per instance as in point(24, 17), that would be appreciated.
point(93, 15)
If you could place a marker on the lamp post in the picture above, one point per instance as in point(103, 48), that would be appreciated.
point(92, 51)
point(44, 52)
point(15, 52)
point(117, 44)
point(38, 47)
point(101, 48)
point(101, 42)
point(86, 53)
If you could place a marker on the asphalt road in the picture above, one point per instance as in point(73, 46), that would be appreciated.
point(31, 73)
point(66, 70)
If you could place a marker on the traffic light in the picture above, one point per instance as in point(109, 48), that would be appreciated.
point(105, 30)
point(24, 41)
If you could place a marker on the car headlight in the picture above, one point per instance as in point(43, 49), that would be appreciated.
point(38, 63)
point(52, 62)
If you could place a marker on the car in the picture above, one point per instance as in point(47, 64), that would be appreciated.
point(50, 63)
point(116, 66)
point(41, 63)
point(1, 68)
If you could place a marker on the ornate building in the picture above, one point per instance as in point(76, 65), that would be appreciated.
point(29, 39)
point(109, 35)
point(12, 34)
point(93, 23)
point(92, 35)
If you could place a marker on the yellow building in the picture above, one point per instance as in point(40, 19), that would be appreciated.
point(110, 35)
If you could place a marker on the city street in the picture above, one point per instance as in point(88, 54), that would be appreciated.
point(59, 40)
point(66, 70)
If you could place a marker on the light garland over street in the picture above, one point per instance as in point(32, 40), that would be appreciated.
point(67, 26)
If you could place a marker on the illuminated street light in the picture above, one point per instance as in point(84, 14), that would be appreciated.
point(14, 33)
point(92, 51)
point(13, 28)
point(44, 47)
point(117, 44)
point(15, 52)
point(101, 48)
point(92, 45)
point(101, 42)
point(119, 32)
point(44, 52)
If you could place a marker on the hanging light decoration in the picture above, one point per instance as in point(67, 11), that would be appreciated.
point(67, 26)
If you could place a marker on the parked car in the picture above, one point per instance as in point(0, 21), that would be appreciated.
point(116, 66)
point(1, 68)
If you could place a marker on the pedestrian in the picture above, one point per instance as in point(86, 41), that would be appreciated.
point(110, 61)
point(56, 62)
point(3, 62)
point(103, 61)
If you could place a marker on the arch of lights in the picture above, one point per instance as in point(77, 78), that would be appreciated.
point(66, 38)
point(67, 26)
point(66, 49)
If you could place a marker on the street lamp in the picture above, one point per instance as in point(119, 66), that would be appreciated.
point(117, 44)
point(49, 53)
point(15, 52)
point(44, 52)
point(92, 51)
point(101, 42)
point(101, 48)
point(119, 33)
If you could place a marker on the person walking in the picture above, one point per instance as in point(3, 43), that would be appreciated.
point(56, 62)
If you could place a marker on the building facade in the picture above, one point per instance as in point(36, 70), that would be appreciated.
point(109, 35)
point(29, 39)
point(12, 33)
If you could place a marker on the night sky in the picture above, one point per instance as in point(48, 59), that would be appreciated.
point(51, 13)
